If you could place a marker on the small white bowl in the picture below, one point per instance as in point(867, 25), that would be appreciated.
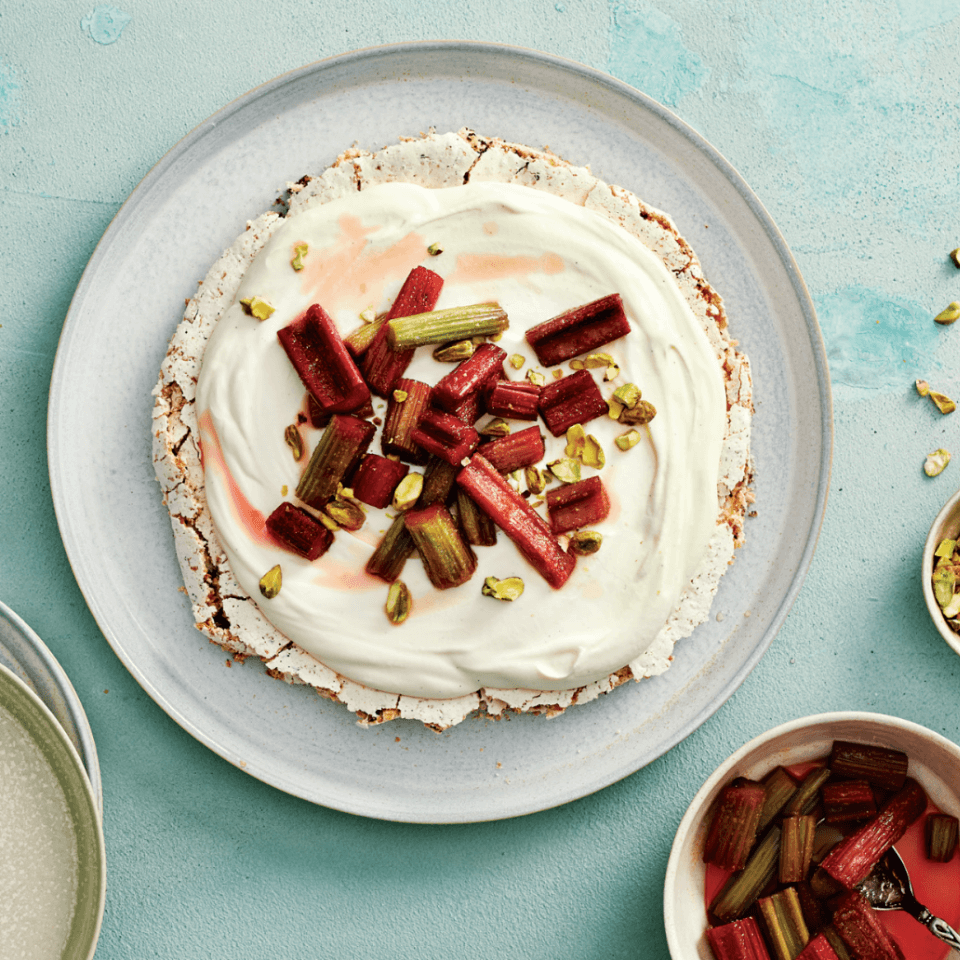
point(947, 524)
point(934, 762)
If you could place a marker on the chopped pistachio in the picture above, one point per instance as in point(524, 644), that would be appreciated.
point(945, 548)
point(936, 462)
point(434, 249)
point(642, 413)
point(628, 395)
point(942, 402)
point(955, 257)
point(398, 602)
point(368, 314)
point(614, 408)
point(498, 427)
point(299, 252)
point(592, 453)
point(516, 360)
point(294, 441)
point(593, 361)
point(923, 388)
point(327, 521)
point(557, 374)
point(271, 582)
point(257, 307)
point(949, 315)
point(952, 609)
point(508, 589)
point(454, 352)
point(585, 542)
point(284, 490)
point(407, 492)
point(627, 440)
point(536, 482)
point(566, 470)
point(348, 515)
point(576, 438)
point(535, 376)
point(943, 590)
point(400, 395)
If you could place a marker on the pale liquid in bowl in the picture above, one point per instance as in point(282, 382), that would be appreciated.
point(38, 851)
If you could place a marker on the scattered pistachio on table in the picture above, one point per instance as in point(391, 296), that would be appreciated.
point(936, 462)
point(950, 314)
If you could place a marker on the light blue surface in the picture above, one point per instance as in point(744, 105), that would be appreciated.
point(842, 117)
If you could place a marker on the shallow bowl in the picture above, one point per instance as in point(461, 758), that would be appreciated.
point(934, 762)
point(947, 524)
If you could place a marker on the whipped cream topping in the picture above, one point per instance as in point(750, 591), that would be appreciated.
point(537, 255)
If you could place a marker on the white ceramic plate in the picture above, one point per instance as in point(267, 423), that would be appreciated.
point(26, 655)
point(55, 897)
point(195, 202)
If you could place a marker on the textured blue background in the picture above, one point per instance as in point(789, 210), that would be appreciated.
point(843, 117)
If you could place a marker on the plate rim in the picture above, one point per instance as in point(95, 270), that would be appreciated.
point(800, 294)
point(73, 705)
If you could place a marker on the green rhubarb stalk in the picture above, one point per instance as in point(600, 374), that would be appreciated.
point(387, 560)
point(787, 932)
point(740, 892)
point(779, 787)
point(447, 560)
point(807, 795)
point(796, 847)
point(441, 326)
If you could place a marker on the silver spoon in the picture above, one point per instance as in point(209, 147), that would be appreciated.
point(888, 888)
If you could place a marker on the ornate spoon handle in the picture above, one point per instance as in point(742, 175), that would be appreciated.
point(939, 928)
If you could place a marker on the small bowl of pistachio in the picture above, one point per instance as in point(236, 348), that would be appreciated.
point(941, 572)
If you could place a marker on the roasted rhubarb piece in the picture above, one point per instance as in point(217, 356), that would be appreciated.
point(847, 801)
point(292, 527)
point(818, 949)
point(860, 929)
point(739, 940)
point(446, 437)
point(320, 357)
point(439, 481)
point(448, 561)
point(779, 787)
point(341, 446)
point(576, 505)
point(516, 450)
point(851, 860)
point(383, 365)
point(518, 520)
point(807, 796)
point(376, 479)
point(733, 829)
point(940, 836)
point(386, 562)
point(574, 399)
point(796, 847)
point(579, 330)
point(515, 400)
point(740, 892)
point(782, 917)
point(358, 341)
point(469, 377)
point(880, 766)
point(408, 402)
point(441, 326)
point(478, 529)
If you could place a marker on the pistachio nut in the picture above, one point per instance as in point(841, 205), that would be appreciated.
point(955, 257)
point(642, 413)
point(627, 440)
point(592, 453)
point(535, 376)
point(566, 470)
point(936, 462)
point(407, 492)
point(346, 513)
point(400, 395)
point(509, 588)
point(257, 307)
point(942, 402)
point(536, 482)
point(516, 360)
point(398, 602)
point(923, 388)
point(576, 438)
point(498, 427)
point(585, 542)
point(434, 249)
point(950, 314)
point(627, 395)
point(299, 252)
point(271, 582)
point(294, 441)
point(454, 352)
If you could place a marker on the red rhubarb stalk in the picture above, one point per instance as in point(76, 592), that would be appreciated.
point(579, 331)
point(376, 479)
point(847, 801)
point(851, 860)
point(439, 480)
point(740, 940)
point(518, 520)
point(881, 766)
point(402, 416)
point(574, 399)
point(320, 357)
point(577, 505)
point(341, 446)
point(382, 366)
point(515, 450)
point(293, 528)
point(860, 929)
point(446, 437)
point(733, 829)
point(469, 377)
point(515, 400)
point(818, 949)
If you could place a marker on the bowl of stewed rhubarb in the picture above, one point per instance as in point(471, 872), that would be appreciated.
point(782, 853)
